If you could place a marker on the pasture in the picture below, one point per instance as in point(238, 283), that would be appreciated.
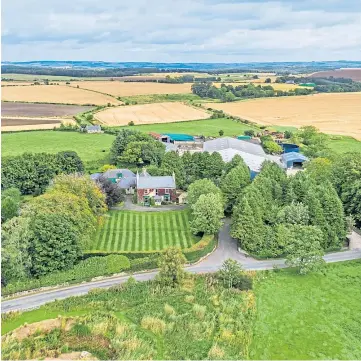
point(90, 147)
point(119, 88)
point(333, 113)
point(207, 127)
point(129, 231)
point(309, 317)
point(150, 113)
point(55, 94)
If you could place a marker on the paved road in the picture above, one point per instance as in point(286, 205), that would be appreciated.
point(227, 248)
point(130, 206)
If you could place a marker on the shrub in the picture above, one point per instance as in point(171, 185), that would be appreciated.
point(169, 310)
point(131, 123)
point(199, 311)
point(153, 324)
point(140, 264)
point(249, 132)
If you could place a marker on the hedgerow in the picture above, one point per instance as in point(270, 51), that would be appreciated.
point(83, 271)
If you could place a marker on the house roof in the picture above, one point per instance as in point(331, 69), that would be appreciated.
point(113, 173)
point(218, 144)
point(95, 176)
point(93, 127)
point(155, 182)
point(127, 182)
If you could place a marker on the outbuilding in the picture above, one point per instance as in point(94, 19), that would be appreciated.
point(293, 159)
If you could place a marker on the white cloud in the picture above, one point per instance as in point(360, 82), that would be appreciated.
point(181, 30)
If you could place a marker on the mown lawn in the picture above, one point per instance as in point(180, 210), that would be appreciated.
point(144, 231)
point(309, 317)
point(90, 147)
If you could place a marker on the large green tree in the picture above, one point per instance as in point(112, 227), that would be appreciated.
point(207, 214)
point(171, 272)
point(199, 187)
point(304, 249)
point(15, 242)
point(233, 183)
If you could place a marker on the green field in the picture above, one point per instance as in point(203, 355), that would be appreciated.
point(158, 98)
point(32, 77)
point(309, 317)
point(90, 147)
point(207, 127)
point(343, 144)
point(143, 231)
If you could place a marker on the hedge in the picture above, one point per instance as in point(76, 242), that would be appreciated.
point(193, 254)
point(85, 270)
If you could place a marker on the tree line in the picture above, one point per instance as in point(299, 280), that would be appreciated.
point(229, 93)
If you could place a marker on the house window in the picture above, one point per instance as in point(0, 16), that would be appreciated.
point(146, 191)
point(156, 192)
point(166, 191)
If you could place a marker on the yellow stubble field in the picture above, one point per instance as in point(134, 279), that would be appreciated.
point(119, 88)
point(55, 94)
point(335, 113)
point(150, 113)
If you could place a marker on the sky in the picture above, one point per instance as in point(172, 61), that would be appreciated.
point(181, 30)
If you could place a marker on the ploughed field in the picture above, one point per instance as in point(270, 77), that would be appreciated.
point(129, 231)
point(335, 113)
point(55, 94)
point(150, 113)
point(119, 88)
point(354, 74)
point(9, 109)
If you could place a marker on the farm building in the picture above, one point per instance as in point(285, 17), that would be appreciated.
point(172, 137)
point(293, 160)
point(288, 147)
point(93, 129)
point(124, 178)
point(252, 154)
point(160, 188)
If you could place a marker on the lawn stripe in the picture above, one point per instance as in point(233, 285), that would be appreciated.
point(158, 232)
point(124, 239)
point(183, 227)
point(132, 227)
point(149, 233)
point(111, 232)
point(105, 233)
point(143, 232)
point(118, 232)
point(137, 236)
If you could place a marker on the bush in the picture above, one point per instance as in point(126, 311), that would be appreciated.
point(131, 123)
point(249, 132)
point(84, 270)
point(200, 249)
point(145, 263)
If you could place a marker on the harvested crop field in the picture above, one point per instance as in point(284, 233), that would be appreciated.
point(55, 94)
point(150, 113)
point(28, 121)
point(9, 109)
point(354, 74)
point(119, 89)
point(336, 113)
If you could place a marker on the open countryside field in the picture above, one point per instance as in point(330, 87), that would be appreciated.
point(41, 110)
point(55, 94)
point(150, 113)
point(354, 74)
point(207, 127)
point(90, 147)
point(144, 231)
point(336, 113)
point(311, 317)
point(119, 89)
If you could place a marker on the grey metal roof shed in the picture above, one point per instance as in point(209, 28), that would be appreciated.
point(288, 159)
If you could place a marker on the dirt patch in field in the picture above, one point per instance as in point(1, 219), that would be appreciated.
point(354, 74)
point(336, 113)
point(119, 88)
point(151, 113)
point(19, 124)
point(10, 109)
point(42, 326)
point(55, 94)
